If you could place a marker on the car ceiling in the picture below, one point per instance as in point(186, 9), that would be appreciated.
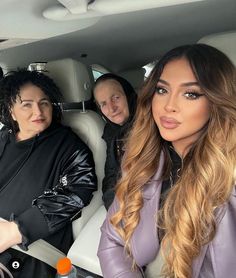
point(114, 38)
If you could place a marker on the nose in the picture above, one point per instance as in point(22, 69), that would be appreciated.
point(112, 107)
point(37, 109)
point(171, 103)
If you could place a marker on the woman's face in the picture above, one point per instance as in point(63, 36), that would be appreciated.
point(179, 106)
point(112, 101)
point(32, 111)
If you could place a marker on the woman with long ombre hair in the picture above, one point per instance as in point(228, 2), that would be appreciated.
point(175, 205)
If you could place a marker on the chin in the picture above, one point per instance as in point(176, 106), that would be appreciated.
point(169, 137)
point(41, 129)
point(118, 122)
point(122, 122)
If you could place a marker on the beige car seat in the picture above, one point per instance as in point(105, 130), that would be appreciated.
point(226, 42)
point(75, 82)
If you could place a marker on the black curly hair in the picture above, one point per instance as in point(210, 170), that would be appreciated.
point(10, 86)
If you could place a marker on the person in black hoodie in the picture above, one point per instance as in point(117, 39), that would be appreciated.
point(47, 172)
point(116, 100)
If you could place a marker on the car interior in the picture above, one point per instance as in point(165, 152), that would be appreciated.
point(75, 41)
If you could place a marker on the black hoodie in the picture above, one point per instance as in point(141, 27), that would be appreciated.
point(45, 182)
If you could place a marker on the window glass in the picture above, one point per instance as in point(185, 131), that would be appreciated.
point(97, 74)
point(149, 68)
point(98, 70)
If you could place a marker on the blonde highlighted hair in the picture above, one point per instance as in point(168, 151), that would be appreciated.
point(188, 217)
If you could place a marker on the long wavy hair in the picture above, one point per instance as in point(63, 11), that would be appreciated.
point(188, 217)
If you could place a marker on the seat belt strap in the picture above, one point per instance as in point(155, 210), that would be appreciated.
point(3, 270)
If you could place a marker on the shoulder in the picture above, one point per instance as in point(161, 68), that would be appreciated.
point(230, 206)
point(232, 200)
point(153, 187)
point(110, 132)
point(225, 239)
point(107, 228)
point(226, 213)
point(67, 139)
point(4, 139)
point(68, 133)
point(106, 132)
point(4, 134)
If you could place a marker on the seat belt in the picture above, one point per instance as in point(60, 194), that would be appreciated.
point(3, 270)
point(43, 251)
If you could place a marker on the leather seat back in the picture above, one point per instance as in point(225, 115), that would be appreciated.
point(74, 80)
point(225, 42)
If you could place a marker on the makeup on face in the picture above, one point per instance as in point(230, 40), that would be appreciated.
point(179, 106)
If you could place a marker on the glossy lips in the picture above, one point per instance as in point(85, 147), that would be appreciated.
point(169, 123)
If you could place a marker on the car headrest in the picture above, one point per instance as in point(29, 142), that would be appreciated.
point(72, 77)
point(225, 42)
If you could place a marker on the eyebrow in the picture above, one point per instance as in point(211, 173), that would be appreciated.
point(113, 95)
point(116, 93)
point(31, 100)
point(193, 83)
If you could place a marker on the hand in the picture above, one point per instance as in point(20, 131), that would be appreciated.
point(9, 235)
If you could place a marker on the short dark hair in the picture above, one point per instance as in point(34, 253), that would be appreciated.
point(10, 86)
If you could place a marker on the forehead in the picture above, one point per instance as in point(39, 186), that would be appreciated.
point(178, 70)
point(106, 89)
point(31, 92)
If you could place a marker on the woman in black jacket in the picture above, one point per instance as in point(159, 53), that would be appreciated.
point(116, 100)
point(47, 172)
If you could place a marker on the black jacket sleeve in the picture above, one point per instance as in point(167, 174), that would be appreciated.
point(55, 208)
